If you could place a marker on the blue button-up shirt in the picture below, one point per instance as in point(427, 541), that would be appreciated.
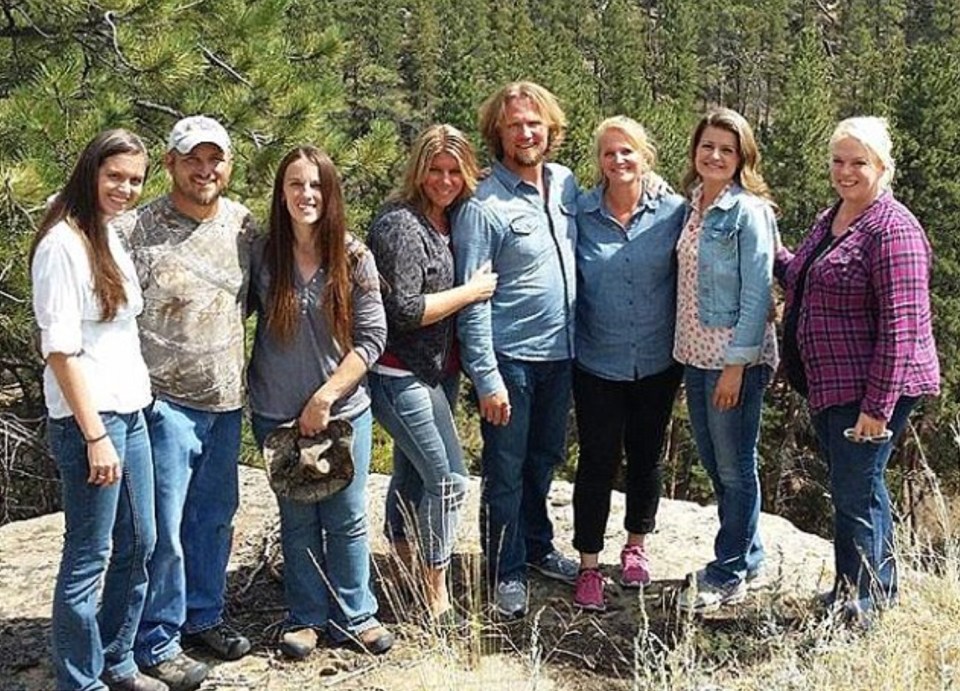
point(627, 286)
point(530, 243)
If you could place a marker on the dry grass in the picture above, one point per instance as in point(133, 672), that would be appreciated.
point(774, 642)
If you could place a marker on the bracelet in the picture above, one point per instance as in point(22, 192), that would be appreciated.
point(103, 436)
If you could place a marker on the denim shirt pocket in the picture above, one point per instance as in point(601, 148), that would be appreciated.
point(523, 226)
point(719, 288)
point(529, 239)
point(568, 210)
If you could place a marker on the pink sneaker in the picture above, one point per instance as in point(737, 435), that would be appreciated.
point(589, 592)
point(634, 567)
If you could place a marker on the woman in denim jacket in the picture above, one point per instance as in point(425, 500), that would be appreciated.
point(725, 257)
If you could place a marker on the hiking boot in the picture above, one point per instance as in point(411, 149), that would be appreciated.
point(138, 682)
point(555, 565)
point(222, 640)
point(701, 596)
point(589, 592)
point(298, 644)
point(634, 567)
point(180, 673)
point(376, 640)
point(510, 600)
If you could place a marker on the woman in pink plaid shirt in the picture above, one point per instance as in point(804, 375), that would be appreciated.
point(858, 344)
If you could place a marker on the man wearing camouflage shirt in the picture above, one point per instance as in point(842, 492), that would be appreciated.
point(191, 250)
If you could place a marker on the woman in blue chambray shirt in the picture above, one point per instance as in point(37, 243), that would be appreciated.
point(725, 260)
point(625, 378)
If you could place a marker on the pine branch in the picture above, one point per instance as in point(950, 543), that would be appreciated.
point(17, 206)
point(108, 18)
point(225, 66)
point(14, 31)
point(159, 107)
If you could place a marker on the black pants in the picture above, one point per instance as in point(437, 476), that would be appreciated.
point(614, 417)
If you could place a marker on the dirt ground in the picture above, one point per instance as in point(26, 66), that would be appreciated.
point(554, 647)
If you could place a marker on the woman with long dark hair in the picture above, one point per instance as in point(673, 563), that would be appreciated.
point(86, 300)
point(320, 325)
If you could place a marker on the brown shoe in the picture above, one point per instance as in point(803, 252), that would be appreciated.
point(138, 682)
point(180, 673)
point(375, 641)
point(298, 644)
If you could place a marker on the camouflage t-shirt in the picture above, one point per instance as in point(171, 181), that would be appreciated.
point(194, 277)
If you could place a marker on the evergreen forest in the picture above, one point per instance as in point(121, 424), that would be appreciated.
point(361, 77)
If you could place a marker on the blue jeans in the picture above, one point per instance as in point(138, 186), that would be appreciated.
point(326, 557)
point(429, 481)
point(862, 523)
point(114, 523)
point(727, 444)
point(518, 463)
point(195, 455)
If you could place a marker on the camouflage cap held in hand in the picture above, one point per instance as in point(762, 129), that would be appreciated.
point(309, 469)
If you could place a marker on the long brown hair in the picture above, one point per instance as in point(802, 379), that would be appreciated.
point(747, 174)
point(77, 204)
point(330, 240)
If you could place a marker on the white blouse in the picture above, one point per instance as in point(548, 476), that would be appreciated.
point(68, 314)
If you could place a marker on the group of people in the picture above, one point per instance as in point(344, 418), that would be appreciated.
point(537, 289)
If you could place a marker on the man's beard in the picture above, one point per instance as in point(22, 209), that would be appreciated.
point(529, 158)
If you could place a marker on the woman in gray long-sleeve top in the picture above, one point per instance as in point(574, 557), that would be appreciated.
point(414, 385)
point(320, 326)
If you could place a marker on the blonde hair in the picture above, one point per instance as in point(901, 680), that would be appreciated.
point(747, 174)
point(493, 109)
point(636, 135)
point(433, 141)
point(873, 133)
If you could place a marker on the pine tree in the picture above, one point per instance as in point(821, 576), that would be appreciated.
point(928, 139)
point(870, 62)
point(795, 159)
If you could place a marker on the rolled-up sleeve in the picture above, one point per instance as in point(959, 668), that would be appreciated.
point(475, 242)
point(400, 257)
point(369, 319)
point(58, 297)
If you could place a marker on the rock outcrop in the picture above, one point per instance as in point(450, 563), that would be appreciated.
point(797, 563)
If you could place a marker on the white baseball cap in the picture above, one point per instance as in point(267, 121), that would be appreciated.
point(197, 129)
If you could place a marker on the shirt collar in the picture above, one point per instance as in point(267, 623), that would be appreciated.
point(592, 202)
point(512, 181)
point(724, 201)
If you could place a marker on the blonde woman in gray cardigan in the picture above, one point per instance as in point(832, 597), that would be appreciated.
point(414, 384)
